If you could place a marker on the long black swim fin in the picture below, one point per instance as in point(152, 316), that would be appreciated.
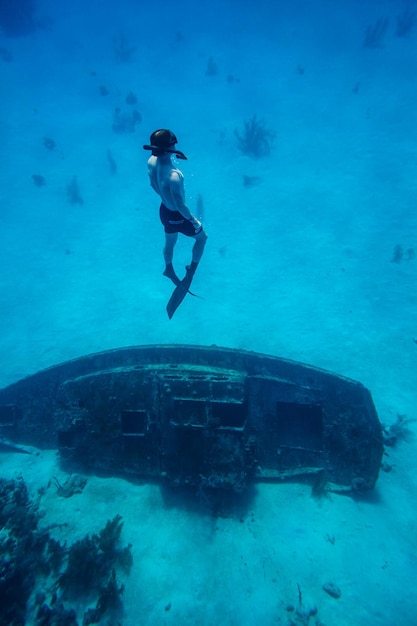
point(180, 292)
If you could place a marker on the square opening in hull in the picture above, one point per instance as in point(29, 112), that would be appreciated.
point(300, 425)
point(133, 422)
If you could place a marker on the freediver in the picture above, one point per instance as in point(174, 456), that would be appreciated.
point(168, 182)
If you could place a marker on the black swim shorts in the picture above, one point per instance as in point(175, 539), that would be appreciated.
point(174, 222)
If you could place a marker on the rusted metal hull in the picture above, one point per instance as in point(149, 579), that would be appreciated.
point(204, 416)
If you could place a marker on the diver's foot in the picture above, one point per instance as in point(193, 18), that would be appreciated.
point(169, 272)
point(189, 274)
point(191, 269)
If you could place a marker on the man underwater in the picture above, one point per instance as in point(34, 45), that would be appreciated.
point(168, 182)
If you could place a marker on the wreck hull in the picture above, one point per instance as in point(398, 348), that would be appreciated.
point(204, 416)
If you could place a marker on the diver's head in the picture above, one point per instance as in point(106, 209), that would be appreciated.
point(163, 141)
point(163, 138)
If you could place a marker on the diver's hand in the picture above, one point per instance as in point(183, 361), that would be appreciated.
point(197, 224)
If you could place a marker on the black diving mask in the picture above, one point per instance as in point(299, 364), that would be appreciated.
point(156, 151)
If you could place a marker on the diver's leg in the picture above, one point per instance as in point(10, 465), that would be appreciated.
point(197, 253)
point(170, 241)
point(198, 248)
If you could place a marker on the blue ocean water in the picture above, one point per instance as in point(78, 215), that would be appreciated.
point(311, 255)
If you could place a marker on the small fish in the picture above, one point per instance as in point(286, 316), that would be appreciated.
point(112, 163)
point(251, 181)
point(49, 143)
point(38, 180)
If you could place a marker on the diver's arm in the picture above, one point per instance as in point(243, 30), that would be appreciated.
point(154, 187)
point(152, 175)
point(177, 195)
